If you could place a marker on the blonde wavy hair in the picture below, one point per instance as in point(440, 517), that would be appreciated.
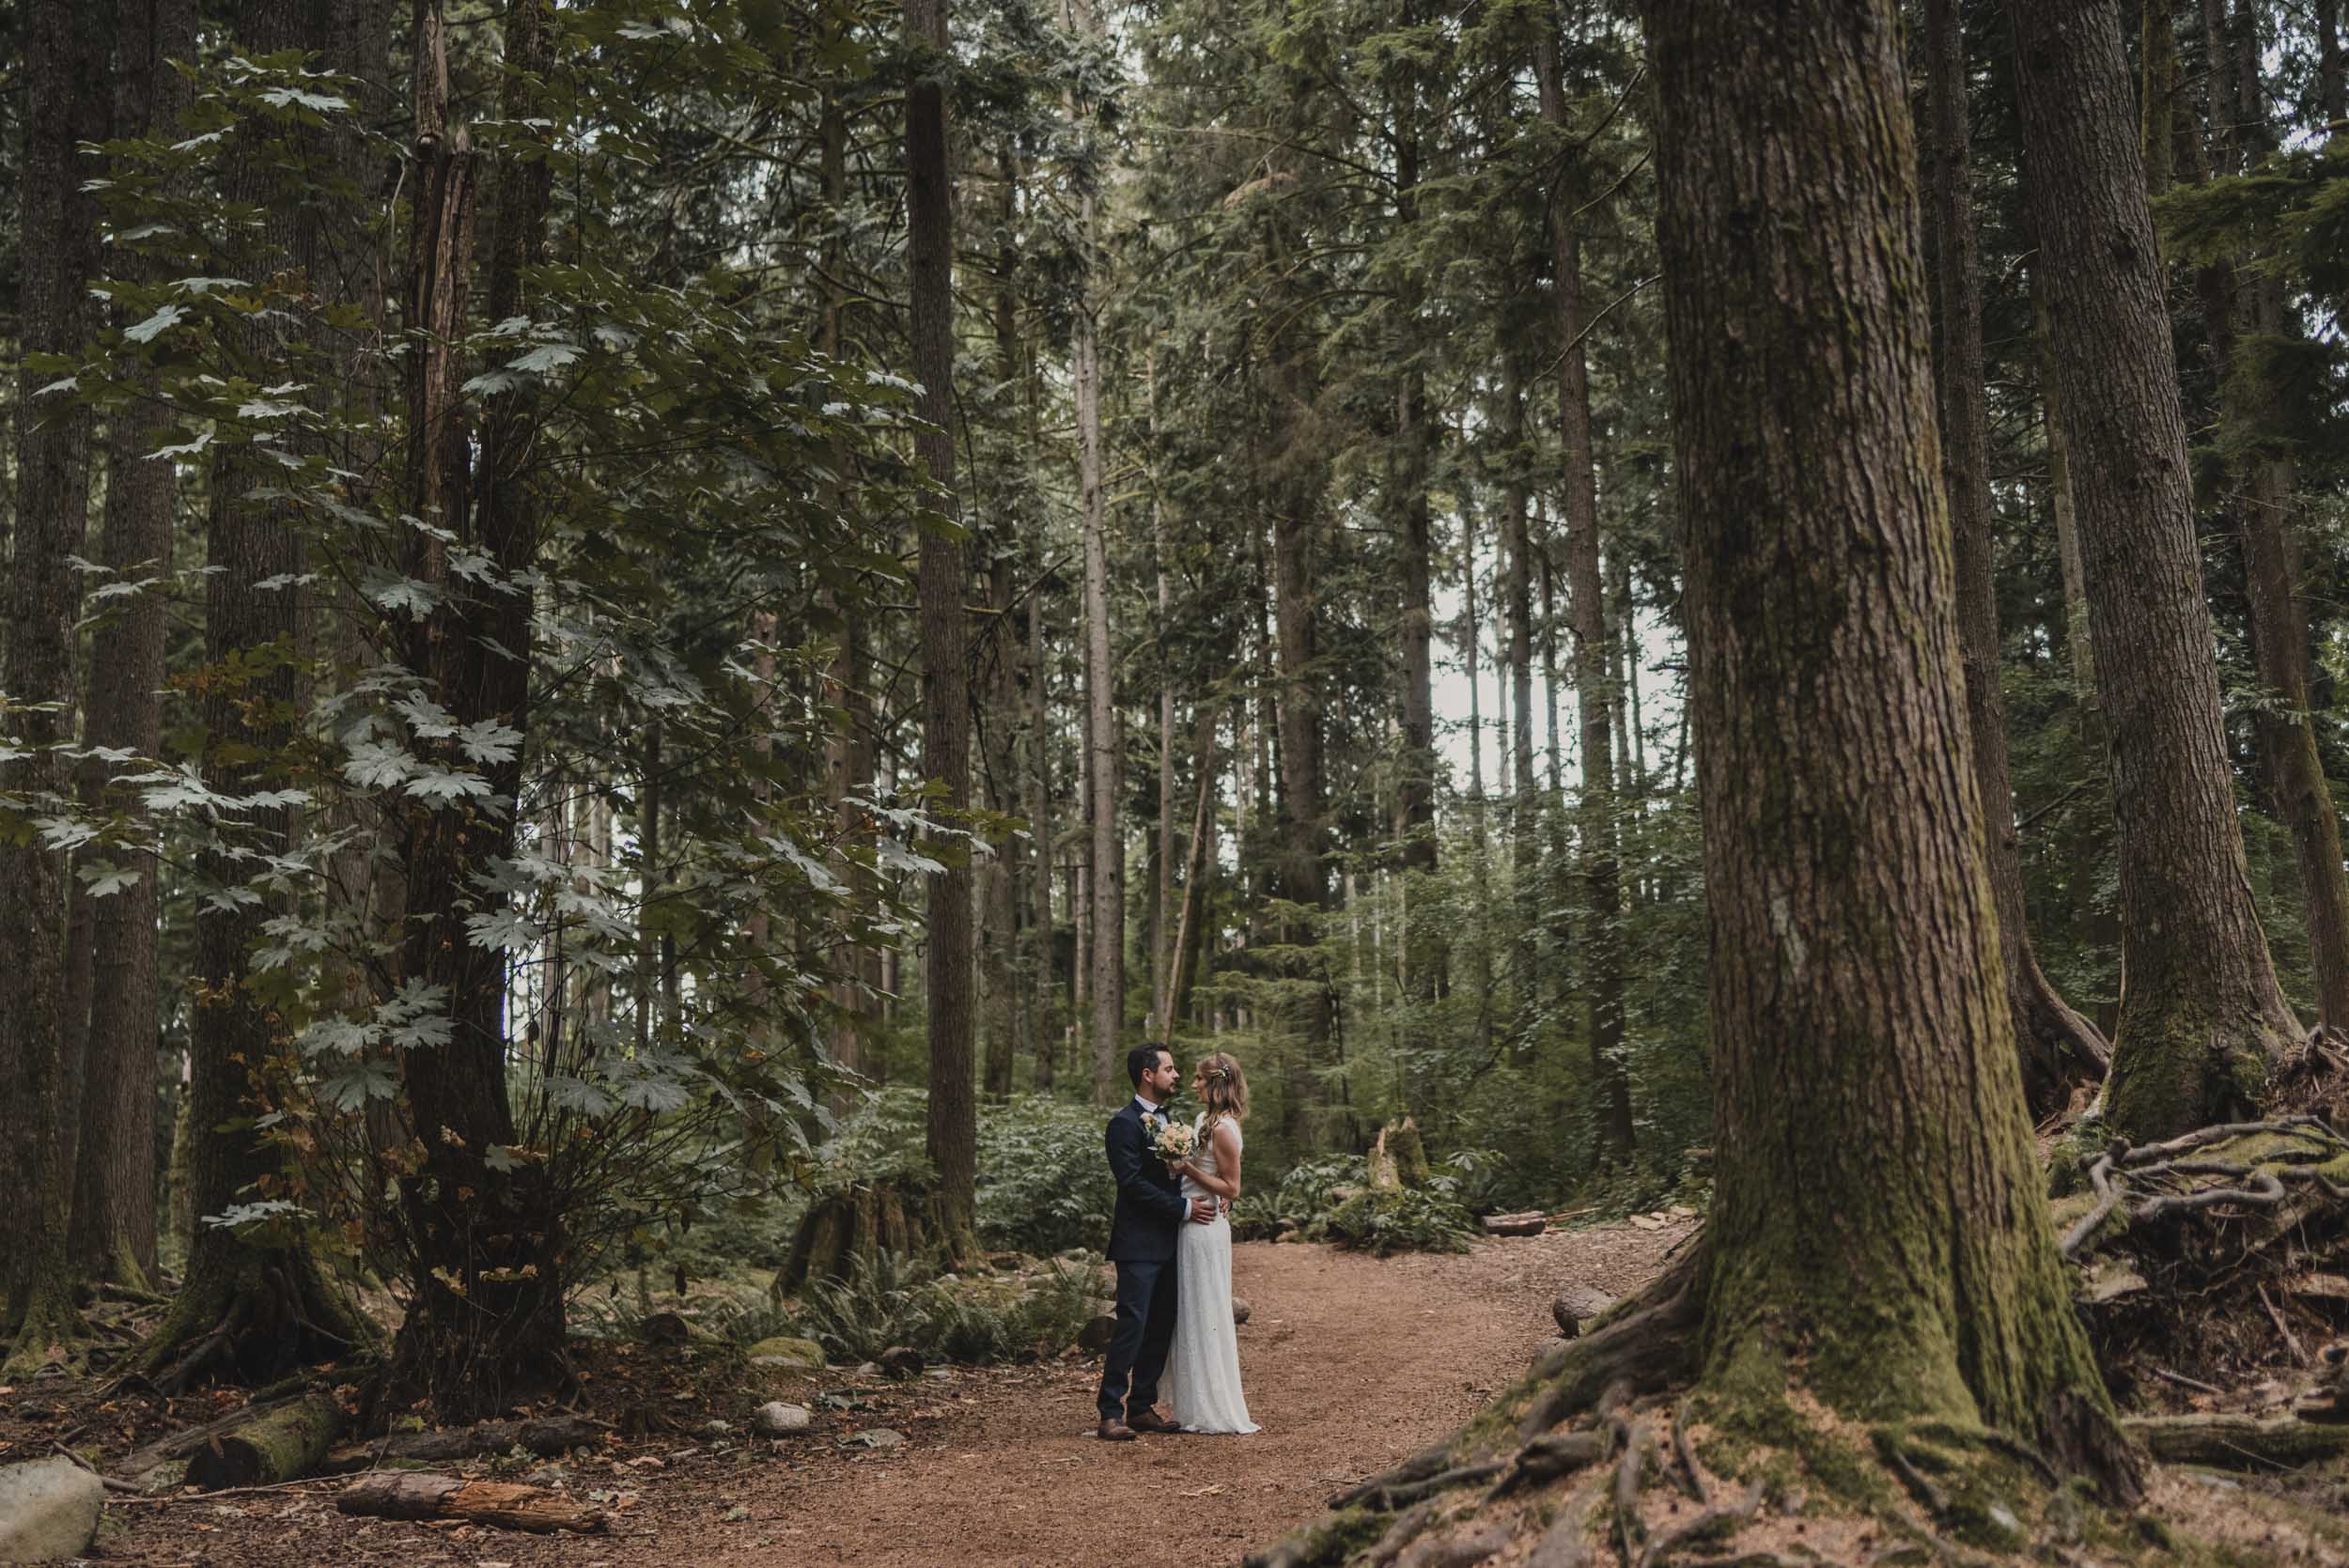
point(1223, 1087)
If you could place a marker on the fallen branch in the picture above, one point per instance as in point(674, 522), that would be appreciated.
point(501, 1504)
point(550, 1437)
point(2237, 1442)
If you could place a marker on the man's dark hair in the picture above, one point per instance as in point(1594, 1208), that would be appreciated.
point(1141, 1060)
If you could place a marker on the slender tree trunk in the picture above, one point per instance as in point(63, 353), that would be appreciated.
point(1303, 877)
point(952, 1139)
point(1881, 1240)
point(1195, 872)
point(2332, 74)
point(2060, 1048)
point(1041, 953)
point(66, 104)
point(998, 939)
point(1594, 684)
point(2201, 1016)
point(2079, 642)
point(1471, 643)
point(1415, 787)
point(848, 750)
point(1164, 959)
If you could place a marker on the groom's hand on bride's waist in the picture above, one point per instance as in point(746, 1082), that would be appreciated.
point(1202, 1211)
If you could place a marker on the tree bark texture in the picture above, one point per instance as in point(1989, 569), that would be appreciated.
point(66, 104)
point(486, 1321)
point(114, 1201)
point(2201, 1012)
point(952, 1139)
point(247, 1308)
point(2255, 415)
point(2060, 1048)
point(1881, 1235)
point(1594, 682)
point(1041, 955)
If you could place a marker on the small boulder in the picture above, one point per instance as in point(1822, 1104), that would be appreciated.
point(775, 1418)
point(1531, 1223)
point(902, 1360)
point(788, 1354)
point(1576, 1305)
point(1096, 1335)
point(49, 1510)
point(1240, 1309)
point(867, 1372)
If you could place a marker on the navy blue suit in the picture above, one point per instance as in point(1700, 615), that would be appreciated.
point(1142, 1233)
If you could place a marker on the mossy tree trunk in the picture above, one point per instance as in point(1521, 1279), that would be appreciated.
point(1879, 1237)
point(2060, 1048)
point(2201, 1016)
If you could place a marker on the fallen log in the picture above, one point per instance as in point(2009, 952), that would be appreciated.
point(2237, 1442)
point(549, 1437)
point(179, 1444)
point(501, 1504)
point(1532, 1223)
point(282, 1443)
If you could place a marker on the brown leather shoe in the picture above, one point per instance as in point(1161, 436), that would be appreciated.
point(1115, 1432)
point(1150, 1420)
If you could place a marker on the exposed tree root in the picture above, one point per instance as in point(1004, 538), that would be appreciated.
point(250, 1320)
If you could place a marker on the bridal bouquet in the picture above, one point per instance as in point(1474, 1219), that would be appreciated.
point(1172, 1140)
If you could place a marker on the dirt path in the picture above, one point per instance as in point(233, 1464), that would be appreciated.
point(1350, 1363)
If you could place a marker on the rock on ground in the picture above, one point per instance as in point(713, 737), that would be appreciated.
point(49, 1511)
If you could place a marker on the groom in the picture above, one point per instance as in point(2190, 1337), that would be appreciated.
point(1150, 1215)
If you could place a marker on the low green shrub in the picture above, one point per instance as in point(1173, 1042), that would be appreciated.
point(1391, 1220)
point(1044, 1181)
point(891, 1301)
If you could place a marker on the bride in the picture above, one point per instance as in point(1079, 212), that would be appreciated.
point(1203, 1368)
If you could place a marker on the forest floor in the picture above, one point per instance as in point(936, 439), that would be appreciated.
point(1351, 1363)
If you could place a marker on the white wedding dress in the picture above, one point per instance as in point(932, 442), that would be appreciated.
point(1203, 1367)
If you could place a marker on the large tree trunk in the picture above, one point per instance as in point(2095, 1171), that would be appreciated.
point(247, 1308)
point(952, 1137)
point(114, 1201)
point(485, 1322)
point(65, 77)
point(1880, 1238)
point(2060, 1048)
point(1594, 683)
point(2200, 1013)
point(2255, 315)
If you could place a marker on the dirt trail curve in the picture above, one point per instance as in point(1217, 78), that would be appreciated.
point(1350, 1363)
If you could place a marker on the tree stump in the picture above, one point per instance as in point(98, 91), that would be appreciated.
point(843, 1229)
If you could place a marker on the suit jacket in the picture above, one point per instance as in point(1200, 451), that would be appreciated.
point(1150, 1206)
